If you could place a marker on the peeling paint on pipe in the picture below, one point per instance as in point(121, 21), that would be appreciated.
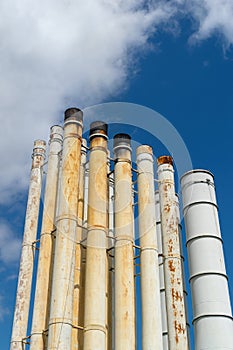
point(22, 304)
point(95, 330)
point(60, 322)
point(45, 263)
point(176, 316)
point(78, 298)
point(124, 246)
point(150, 285)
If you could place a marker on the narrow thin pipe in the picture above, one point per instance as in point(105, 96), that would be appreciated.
point(22, 304)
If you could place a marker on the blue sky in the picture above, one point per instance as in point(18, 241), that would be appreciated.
point(175, 58)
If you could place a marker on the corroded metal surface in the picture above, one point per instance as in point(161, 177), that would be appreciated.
point(177, 333)
point(78, 298)
point(95, 330)
point(124, 252)
point(60, 322)
point(22, 304)
point(45, 263)
point(150, 285)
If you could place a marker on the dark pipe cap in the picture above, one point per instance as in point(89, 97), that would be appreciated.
point(122, 139)
point(75, 113)
point(98, 127)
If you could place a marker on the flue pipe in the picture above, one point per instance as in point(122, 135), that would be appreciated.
point(161, 273)
point(23, 294)
point(176, 319)
point(213, 323)
point(78, 302)
point(45, 263)
point(95, 330)
point(124, 246)
point(150, 286)
point(60, 322)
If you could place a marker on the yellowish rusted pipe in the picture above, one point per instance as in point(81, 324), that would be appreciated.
point(60, 322)
point(124, 246)
point(95, 330)
point(22, 304)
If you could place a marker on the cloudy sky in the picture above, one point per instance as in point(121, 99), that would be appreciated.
point(174, 56)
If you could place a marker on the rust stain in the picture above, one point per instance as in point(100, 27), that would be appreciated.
point(165, 160)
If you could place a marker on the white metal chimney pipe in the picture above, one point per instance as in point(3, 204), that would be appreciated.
point(150, 284)
point(176, 318)
point(124, 246)
point(22, 303)
point(44, 271)
point(78, 298)
point(161, 273)
point(213, 324)
point(95, 331)
point(60, 322)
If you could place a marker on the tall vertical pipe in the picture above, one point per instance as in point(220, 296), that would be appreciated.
point(22, 304)
point(124, 246)
point(78, 302)
point(161, 273)
point(213, 323)
point(176, 319)
point(44, 271)
point(150, 285)
point(60, 322)
point(111, 262)
point(95, 331)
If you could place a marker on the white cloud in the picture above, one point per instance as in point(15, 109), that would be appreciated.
point(212, 17)
point(3, 309)
point(54, 54)
point(10, 245)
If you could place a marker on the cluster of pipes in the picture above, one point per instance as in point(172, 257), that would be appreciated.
point(85, 296)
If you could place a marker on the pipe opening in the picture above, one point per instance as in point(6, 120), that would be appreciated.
point(165, 160)
point(121, 140)
point(74, 113)
point(98, 128)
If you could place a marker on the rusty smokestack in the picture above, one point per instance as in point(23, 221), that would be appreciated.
point(60, 322)
point(176, 319)
point(95, 328)
point(22, 304)
point(124, 246)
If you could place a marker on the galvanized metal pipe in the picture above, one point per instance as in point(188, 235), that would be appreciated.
point(150, 285)
point(60, 322)
point(161, 273)
point(22, 304)
point(213, 323)
point(95, 330)
point(124, 246)
point(176, 319)
point(44, 271)
point(78, 298)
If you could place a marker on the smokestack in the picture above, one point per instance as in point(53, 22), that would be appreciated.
point(60, 322)
point(213, 325)
point(22, 304)
point(177, 333)
point(150, 286)
point(161, 273)
point(124, 246)
point(95, 331)
point(78, 301)
point(42, 297)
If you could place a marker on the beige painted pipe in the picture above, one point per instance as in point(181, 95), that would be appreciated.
point(60, 322)
point(176, 319)
point(124, 246)
point(42, 297)
point(95, 331)
point(22, 304)
point(150, 285)
point(78, 302)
